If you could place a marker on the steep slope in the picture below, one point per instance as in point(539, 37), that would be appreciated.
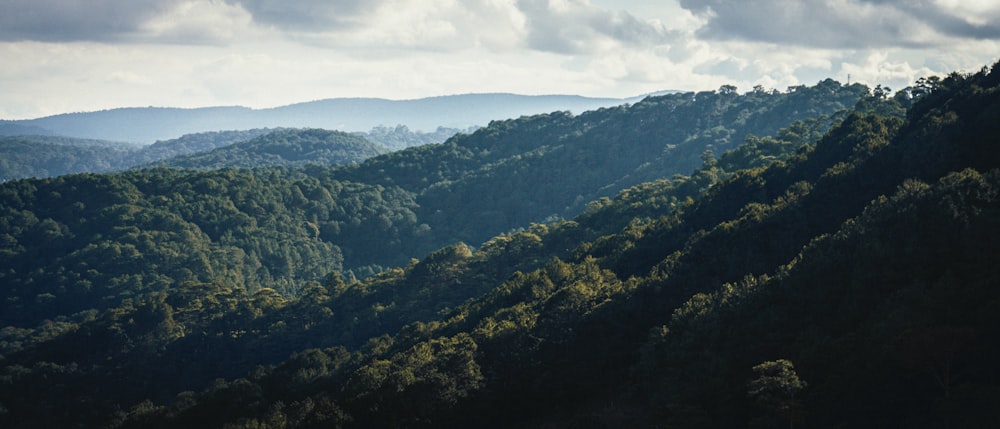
point(398, 206)
point(514, 172)
point(865, 262)
point(155, 283)
point(888, 320)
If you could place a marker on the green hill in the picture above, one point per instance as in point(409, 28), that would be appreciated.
point(46, 156)
point(190, 144)
point(515, 172)
point(38, 156)
point(284, 148)
point(76, 243)
point(860, 263)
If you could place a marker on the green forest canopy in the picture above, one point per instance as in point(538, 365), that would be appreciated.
point(83, 242)
point(39, 156)
point(859, 258)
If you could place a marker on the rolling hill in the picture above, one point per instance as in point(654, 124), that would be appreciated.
point(284, 148)
point(834, 270)
point(282, 228)
point(148, 124)
point(40, 156)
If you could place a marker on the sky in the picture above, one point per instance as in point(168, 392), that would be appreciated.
point(60, 56)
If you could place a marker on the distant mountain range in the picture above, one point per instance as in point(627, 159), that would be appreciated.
point(149, 124)
point(39, 156)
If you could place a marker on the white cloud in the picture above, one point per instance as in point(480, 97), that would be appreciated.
point(975, 12)
point(847, 24)
point(260, 53)
point(567, 27)
point(576, 27)
point(433, 25)
point(308, 15)
point(198, 22)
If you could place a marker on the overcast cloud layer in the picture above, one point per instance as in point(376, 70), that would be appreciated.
point(850, 24)
point(69, 55)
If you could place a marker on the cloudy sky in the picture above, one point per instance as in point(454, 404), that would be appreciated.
point(73, 55)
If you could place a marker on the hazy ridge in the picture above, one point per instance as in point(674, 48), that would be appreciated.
point(148, 124)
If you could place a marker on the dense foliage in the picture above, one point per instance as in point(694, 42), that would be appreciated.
point(286, 148)
point(845, 282)
point(46, 156)
point(90, 241)
point(39, 156)
point(545, 167)
point(401, 137)
point(189, 144)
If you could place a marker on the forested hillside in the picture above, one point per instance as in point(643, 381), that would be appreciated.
point(515, 172)
point(284, 148)
point(38, 156)
point(76, 243)
point(812, 276)
point(401, 137)
point(190, 144)
point(47, 156)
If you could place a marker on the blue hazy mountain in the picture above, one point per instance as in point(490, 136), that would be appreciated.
point(148, 124)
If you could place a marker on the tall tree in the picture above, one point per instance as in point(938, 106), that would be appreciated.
point(776, 387)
